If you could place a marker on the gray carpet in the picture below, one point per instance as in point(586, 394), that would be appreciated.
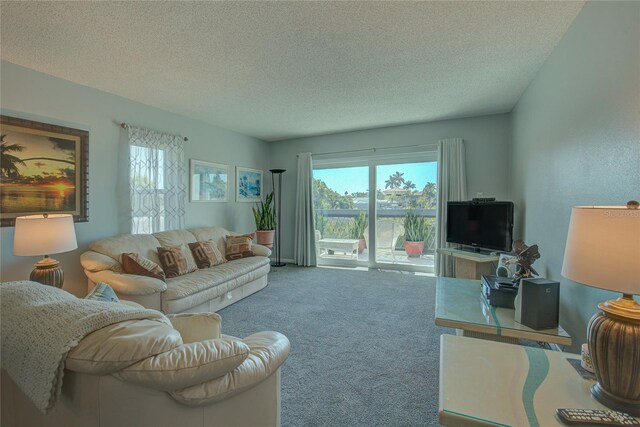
point(364, 346)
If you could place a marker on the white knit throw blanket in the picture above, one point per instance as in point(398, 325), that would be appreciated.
point(40, 324)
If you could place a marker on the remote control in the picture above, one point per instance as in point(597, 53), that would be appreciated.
point(596, 417)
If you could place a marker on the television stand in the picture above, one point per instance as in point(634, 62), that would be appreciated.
point(471, 264)
point(476, 250)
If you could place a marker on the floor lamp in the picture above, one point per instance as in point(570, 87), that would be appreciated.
point(278, 196)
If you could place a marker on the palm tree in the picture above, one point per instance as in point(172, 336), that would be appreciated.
point(429, 195)
point(8, 162)
point(395, 181)
point(408, 185)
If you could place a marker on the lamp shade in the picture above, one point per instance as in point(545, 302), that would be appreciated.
point(603, 248)
point(44, 235)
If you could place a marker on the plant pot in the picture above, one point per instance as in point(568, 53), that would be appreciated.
point(265, 237)
point(362, 244)
point(413, 249)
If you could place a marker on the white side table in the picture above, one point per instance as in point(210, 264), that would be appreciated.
point(487, 383)
point(346, 246)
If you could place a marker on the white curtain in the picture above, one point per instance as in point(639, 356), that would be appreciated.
point(157, 174)
point(304, 244)
point(452, 186)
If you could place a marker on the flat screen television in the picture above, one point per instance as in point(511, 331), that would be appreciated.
point(487, 225)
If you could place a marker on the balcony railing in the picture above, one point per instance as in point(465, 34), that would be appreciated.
point(337, 223)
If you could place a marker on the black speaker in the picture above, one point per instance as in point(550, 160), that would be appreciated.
point(538, 303)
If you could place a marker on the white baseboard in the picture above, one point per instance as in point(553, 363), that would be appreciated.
point(287, 260)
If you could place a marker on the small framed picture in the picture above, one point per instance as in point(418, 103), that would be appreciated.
point(44, 169)
point(248, 185)
point(208, 182)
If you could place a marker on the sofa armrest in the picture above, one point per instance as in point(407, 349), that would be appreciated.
point(94, 261)
point(268, 351)
point(187, 365)
point(131, 304)
point(194, 327)
point(127, 284)
point(260, 250)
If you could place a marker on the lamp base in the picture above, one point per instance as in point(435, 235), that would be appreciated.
point(278, 264)
point(614, 344)
point(48, 272)
point(616, 403)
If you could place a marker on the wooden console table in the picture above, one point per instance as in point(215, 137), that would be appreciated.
point(471, 265)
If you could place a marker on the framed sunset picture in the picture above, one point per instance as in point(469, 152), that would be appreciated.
point(248, 185)
point(43, 169)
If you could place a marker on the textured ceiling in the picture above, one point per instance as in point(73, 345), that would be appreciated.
point(277, 70)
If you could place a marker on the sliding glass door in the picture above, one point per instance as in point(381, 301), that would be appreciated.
point(403, 203)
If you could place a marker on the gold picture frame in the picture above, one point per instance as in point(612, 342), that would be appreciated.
point(43, 169)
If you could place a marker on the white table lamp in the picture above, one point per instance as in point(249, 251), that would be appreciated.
point(45, 235)
point(603, 251)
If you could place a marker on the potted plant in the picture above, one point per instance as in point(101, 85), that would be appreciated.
point(416, 231)
point(264, 214)
point(357, 230)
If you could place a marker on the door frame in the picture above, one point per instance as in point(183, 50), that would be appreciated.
point(372, 161)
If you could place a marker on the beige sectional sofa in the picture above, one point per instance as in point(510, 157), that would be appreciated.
point(209, 289)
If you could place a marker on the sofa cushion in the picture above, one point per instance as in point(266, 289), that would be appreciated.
point(239, 246)
point(194, 327)
point(176, 260)
point(267, 352)
point(174, 237)
point(143, 244)
point(187, 365)
point(224, 274)
point(206, 254)
point(117, 346)
point(133, 263)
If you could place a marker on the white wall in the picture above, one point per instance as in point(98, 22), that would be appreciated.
point(576, 141)
point(32, 95)
point(487, 140)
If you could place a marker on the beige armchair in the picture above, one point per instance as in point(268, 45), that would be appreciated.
point(142, 373)
point(387, 234)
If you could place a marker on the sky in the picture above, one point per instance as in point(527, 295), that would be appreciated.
point(356, 179)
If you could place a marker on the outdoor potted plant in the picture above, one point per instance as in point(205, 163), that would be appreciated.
point(416, 231)
point(357, 230)
point(264, 214)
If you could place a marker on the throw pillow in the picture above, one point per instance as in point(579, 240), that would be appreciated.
point(102, 292)
point(206, 254)
point(239, 246)
point(176, 260)
point(133, 263)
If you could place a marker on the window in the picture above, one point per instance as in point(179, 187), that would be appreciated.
point(156, 181)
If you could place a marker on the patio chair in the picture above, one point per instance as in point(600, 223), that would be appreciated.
point(387, 234)
point(317, 236)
